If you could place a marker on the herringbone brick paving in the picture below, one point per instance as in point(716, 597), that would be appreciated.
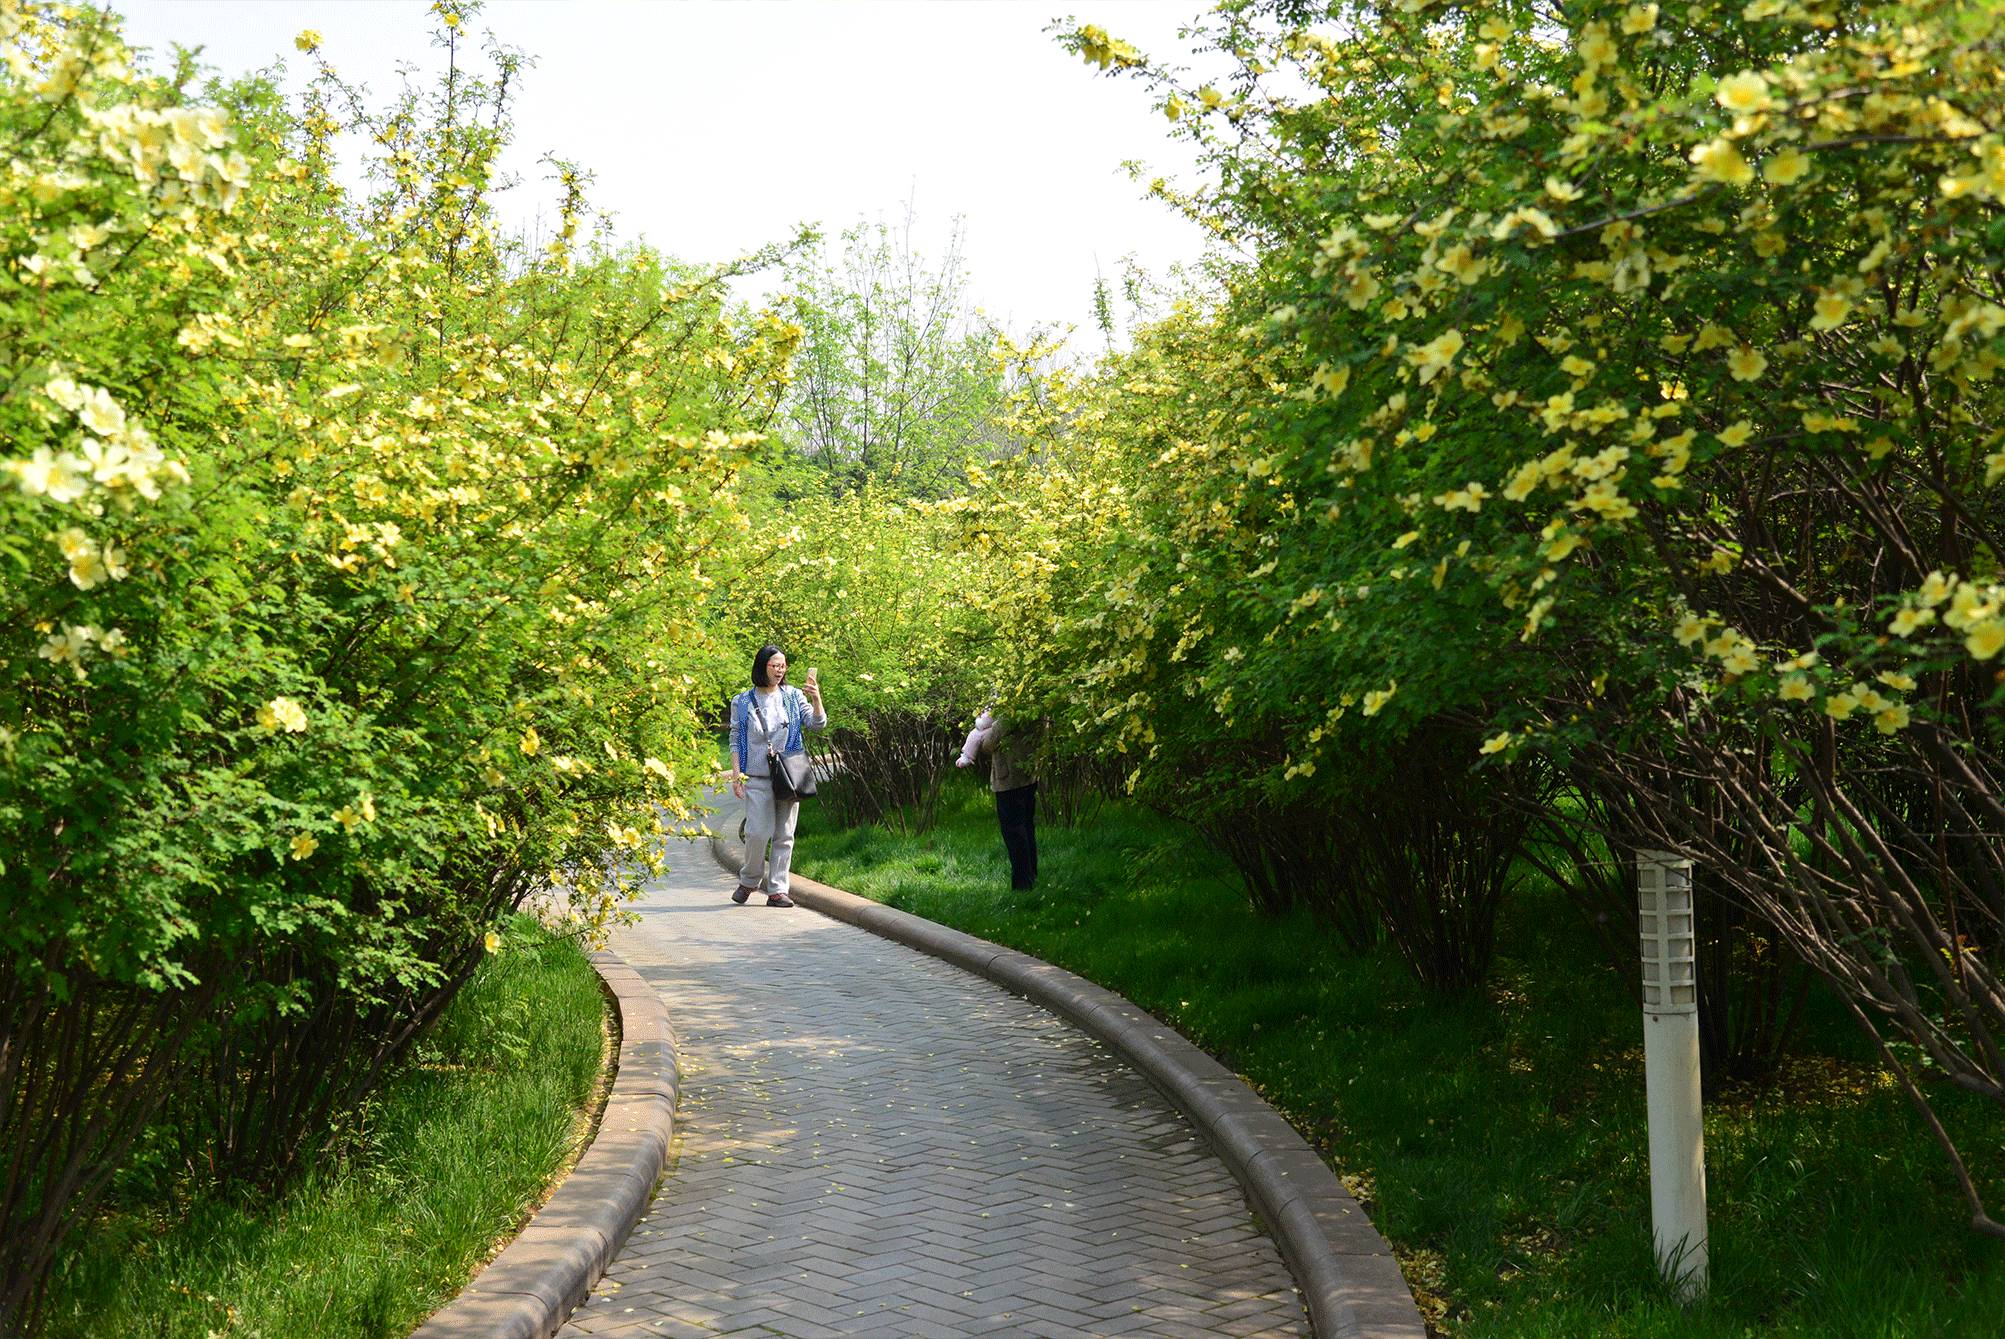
point(872, 1142)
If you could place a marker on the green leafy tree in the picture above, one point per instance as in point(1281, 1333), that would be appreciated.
point(1624, 376)
point(354, 560)
point(896, 381)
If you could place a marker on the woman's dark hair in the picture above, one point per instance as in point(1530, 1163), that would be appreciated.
point(766, 653)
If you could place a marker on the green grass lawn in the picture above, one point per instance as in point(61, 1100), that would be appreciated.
point(454, 1151)
point(1498, 1141)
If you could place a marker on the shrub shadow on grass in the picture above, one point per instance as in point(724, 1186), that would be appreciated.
point(444, 1164)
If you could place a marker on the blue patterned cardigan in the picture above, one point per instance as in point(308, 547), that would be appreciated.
point(798, 719)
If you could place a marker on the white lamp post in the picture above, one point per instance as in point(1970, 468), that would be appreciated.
point(1671, 1070)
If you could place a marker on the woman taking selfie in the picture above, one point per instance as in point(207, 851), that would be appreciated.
point(769, 718)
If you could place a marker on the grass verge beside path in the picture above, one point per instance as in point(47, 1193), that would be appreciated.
point(1500, 1141)
point(447, 1159)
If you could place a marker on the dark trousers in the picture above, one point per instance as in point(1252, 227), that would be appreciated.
point(1016, 812)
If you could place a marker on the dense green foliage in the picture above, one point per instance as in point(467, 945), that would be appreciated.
point(353, 563)
point(1610, 402)
point(1593, 447)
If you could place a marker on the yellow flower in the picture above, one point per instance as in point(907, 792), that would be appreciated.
point(1718, 160)
point(1712, 336)
point(1524, 481)
point(1330, 382)
point(1906, 621)
point(1795, 688)
point(1434, 357)
point(1746, 363)
point(1605, 499)
point(304, 846)
point(1537, 219)
point(1465, 499)
point(348, 818)
point(1744, 92)
point(1535, 617)
point(308, 40)
point(1832, 311)
point(1559, 546)
point(1736, 434)
point(1786, 168)
point(1740, 660)
point(1891, 718)
point(1497, 743)
point(282, 713)
point(68, 646)
point(1894, 679)
point(367, 804)
point(61, 477)
point(87, 570)
point(1967, 608)
point(1691, 630)
point(1461, 263)
point(659, 768)
point(1596, 47)
point(1378, 698)
point(100, 413)
point(1839, 706)
point(531, 742)
point(1639, 19)
point(491, 942)
point(1986, 640)
point(73, 543)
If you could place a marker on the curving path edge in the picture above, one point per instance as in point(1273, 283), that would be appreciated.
point(1350, 1281)
point(531, 1288)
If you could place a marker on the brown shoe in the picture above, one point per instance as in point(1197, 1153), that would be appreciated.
point(779, 900)
point(742, 893)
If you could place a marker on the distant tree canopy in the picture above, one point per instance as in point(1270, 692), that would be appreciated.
point(896, 381)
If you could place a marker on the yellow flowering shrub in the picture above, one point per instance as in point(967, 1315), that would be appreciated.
point(1630, 402)
point(355, 568)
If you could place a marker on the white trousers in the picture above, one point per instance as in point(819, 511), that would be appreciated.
point(767, 820)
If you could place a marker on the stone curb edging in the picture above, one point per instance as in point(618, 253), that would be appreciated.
point(1349, 1279)
point(531, 1288)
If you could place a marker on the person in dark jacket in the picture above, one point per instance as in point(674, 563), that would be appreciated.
point(1008, 748)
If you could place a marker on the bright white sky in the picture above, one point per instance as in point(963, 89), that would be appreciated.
point(714, 127)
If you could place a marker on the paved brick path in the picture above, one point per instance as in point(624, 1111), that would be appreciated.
point(872, 1142)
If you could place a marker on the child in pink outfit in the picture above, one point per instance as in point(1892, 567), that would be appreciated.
point(985, 725)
